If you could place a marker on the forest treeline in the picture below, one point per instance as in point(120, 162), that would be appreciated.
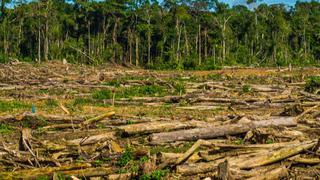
point(173, 34)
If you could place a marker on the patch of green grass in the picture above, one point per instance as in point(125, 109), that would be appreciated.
point(126, 157)
point(140, 91)
point(113, 82)
point(51, 103)
point(155, 175)
point(82, 101)
point(246, 88)
point(13, 105)
point(102, 94)
point(269, 141)
point(239, 141)
point(143, 159)
point(215, 77)
point(100, 162)
point(313, 84)
point(43, 178)
point(130, 122)
point(5, 129)
point(179, 87)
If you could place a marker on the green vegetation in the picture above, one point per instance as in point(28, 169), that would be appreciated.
point(179, 88)
point(155, 175)
point(128, 92)
point(269, 141)
point(313, 84)
point(81, 102)
point(184, 34)
point(100, 162)
point(13, 105)
point(43, 178)
point(51, 103)
point(5, 129)
point(239, 141)
point(137, 91)
point(246, 88)
point(215, 77)
point(126, 157)
point(102, 94)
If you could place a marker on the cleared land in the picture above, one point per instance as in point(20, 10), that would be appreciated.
point(61, 120)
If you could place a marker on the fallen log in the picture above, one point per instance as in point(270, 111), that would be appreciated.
point(88, 172)
point(277, 173)
point(40, 172)
point(198, 168)
point(98, 118)
point(171, 158)
point(159, 126)
point(70, 135)
point(270, 157)
point(93, 139)
point(53, 118)
point(124, 176)
point(208, 133)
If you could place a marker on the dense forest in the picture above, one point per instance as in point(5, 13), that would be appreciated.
point(171, 34)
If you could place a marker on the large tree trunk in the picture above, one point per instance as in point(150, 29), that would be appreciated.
point(186, 42)
point(153, 127)
point(199, 31)
point(137, 50)
point(178, 39)
point(39, 36)
point(46, 40)
point(149, 40)
point(206, 43)
point(207, 133)
point(130, 45)
point(89, 37)
point(114, 39)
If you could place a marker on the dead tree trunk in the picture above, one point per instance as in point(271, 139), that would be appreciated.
point(207, 133)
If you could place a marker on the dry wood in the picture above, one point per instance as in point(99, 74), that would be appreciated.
point(277, 173)
point(53, 118)
point(207, 133)
point(71, 135)
point(198, 168)
point(160, 126)
point(124, 176)
point(98, 118)
point(171, 158)
point(93, 139)
point(271, 157)
point(35, 173)
point(61, 126)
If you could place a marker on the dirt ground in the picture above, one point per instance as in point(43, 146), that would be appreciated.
point(64, 121)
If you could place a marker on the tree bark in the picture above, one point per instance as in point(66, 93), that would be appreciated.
point(153, 127)
point(199, 31)
point(137, 50)
point(207, 133)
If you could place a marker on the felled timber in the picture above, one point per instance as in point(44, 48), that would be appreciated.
point(272, 156)
point(171, 158)
point(40, 172)
point(160, 126)
point(53, 118)
point(212, 132)
point(93, 139)
point(98, 118)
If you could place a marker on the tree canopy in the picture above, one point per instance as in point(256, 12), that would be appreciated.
point(173, 34)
